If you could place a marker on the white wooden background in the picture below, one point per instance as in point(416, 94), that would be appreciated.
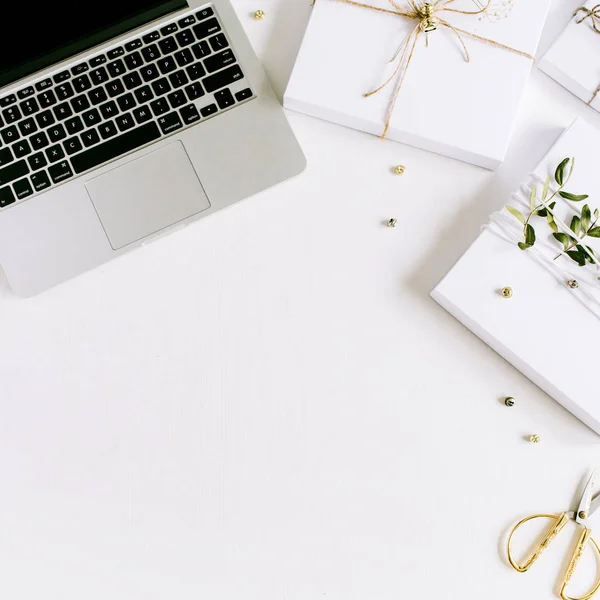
point(267, 405)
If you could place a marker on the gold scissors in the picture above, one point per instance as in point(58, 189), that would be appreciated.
point(588, 505)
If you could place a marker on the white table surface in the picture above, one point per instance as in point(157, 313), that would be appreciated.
point(267, 405)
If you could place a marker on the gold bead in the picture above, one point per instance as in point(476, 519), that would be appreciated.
point(583, 514)
point(510, 401)
point(399, 170)
point(392, 223)
point(506, 292)
point(259, 15)
point(573, 284)
point(534, 438)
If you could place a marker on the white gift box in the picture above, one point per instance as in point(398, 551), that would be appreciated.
point(460, 109)
point(574, 58)
point(525, 328)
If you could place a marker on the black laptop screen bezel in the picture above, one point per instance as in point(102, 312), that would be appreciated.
point(87, 40)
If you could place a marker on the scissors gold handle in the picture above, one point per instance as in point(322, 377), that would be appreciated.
point(559, 522)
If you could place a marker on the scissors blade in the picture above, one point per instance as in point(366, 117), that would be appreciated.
point(595, 504)
point(584, 509)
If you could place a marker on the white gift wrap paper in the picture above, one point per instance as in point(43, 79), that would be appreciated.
point(460, 109)
point(524, 329)
point(574, 58)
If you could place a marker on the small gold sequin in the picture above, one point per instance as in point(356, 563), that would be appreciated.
point(506, 292)
point(259, 15)
point(510, 401)
point(534, 438)
point(573, 284)
point(392, 223)
point(399, 170)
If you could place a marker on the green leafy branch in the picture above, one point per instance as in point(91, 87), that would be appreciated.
point(582, 226)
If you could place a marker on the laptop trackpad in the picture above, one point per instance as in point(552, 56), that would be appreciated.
point(147, 195)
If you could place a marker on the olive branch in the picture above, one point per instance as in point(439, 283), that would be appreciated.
point(582, 226)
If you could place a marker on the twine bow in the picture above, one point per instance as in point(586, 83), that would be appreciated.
point(594, 15)
point(428, 16)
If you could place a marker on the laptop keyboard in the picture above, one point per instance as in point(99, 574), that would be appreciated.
point(116, 102)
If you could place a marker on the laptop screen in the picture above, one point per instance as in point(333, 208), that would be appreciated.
point(45, 33)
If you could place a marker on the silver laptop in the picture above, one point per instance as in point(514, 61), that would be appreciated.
point(131, 120)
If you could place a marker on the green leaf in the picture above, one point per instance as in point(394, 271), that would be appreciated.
point(586, 217)
point(525, 246)
point(563, 238)
point(573, 197)
point(596, 213)
point(576, 225)
point(529, 234)
point(546, 188)
point(590, 255)
point(516, 213)
point(532, 198)
point(559, 175)
point(578, 257)
point(594, 232)
point(542, 212)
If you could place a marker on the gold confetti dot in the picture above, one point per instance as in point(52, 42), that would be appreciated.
point(259, 15)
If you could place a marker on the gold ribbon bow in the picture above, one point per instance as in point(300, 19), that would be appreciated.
point(429, 17)
point(594, 15)
point(589, 13)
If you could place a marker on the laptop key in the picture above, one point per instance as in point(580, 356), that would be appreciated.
point(177, 99)
point(64, 91)
point(37, 161)
point(125, 122)
point(189, 20)
point(45, 119)
point(26, 92)
point(57, 133)
point(185, 37)
point(91, 117)
point(109, 110)
point(74, 125)
point(160, 106)
point(144, 94)
point(196, 71)
point(161, 86)
point(63, 111)
point(115, 147)
point(114, 88)
point(115, 52)
point(220, 60)
point(168, 45)
point(72, 145)
point(12, 113)
point(178, 79)
point(243, 95)
point(134, 61)
point(184, 57)
point(166, 65)
point(55, 153)
point(149, 72)
point(6, 197)
point(132, 80)
point(40, 86)
point(151, 53)
point(169, 29)
point(189, 114)
point(116, 68)
point(22, 188)
point(211, 109)
point(97, 60)
point(39, 140)
point(82, 83)
point(13, 171)
point(27, 126)
point(222, 78)
point(40, 181)
point(201, 49)
point(59, 77)
point(21, 149)
point(97, 96)
point(142, 114)
point(29, 107)
point(5, 156)
point(206, 28)
point(10, 134)
point(126, 102)
point(99, 76)
point(78, 69)
point(151, 37)
point(107, 130)
point(80, 103)
point(60, 171)
point(224, 99)
point(133, 45)
point(194, 91)
point(204, 14)
point(90, 138)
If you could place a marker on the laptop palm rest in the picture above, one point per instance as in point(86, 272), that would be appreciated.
point(146, 195)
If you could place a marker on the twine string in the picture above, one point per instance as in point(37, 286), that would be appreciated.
point(593, 14)
point(429, 19)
